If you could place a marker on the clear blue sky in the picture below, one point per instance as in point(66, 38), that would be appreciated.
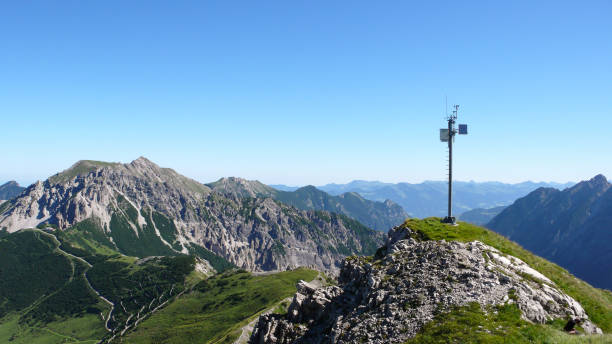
point(308, 92)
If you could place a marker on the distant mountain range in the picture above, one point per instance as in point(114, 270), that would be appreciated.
point(429, 198)
point(572, 228)
point(140, 209)
point(376, 215)
point(10, 190)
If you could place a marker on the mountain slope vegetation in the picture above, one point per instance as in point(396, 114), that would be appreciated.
point(215, 309)
point(79, 290)
point(80, 294)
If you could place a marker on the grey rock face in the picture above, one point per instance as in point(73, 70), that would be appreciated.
point(256, 234)
point(389, 301)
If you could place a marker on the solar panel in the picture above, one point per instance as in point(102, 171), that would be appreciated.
point(444, 135)
point(462, 129)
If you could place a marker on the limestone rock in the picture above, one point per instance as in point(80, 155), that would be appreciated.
point(389, 300)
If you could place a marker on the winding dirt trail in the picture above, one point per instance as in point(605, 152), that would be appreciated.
point(89, 266)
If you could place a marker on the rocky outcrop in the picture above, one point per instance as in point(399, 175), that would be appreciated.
point(141, 201)
point(388, 300)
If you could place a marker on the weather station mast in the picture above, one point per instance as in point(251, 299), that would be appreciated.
point(448, 135)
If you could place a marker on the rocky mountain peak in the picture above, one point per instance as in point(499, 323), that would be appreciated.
point(597, 184)
point(10, 190)
point(599, 181)
point(241, 187)
point(388, 299)
point(309, 188)
point(83, 168)
point(143, 210)
point(79, 169)
point(143, 162)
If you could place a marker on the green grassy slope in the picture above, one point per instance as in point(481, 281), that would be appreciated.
point(29, 259)
point(501, 324)
point(134, 286)
point(86, 239)
point(48, 294)
point(44, 297)
point(596, 302)
point(86, 329)
point(139, 287)
point(217, 307)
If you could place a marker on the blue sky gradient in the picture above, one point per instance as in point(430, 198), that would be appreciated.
point(308, 92)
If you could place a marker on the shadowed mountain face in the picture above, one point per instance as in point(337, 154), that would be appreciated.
point(10, 190)
point(429, 198)
point(376, 215)
point(573, 227)
point(480, 216)
point(142, 210)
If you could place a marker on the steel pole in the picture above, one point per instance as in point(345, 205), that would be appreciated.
point(450, 169)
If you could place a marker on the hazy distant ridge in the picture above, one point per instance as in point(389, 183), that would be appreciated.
point(429, 198)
